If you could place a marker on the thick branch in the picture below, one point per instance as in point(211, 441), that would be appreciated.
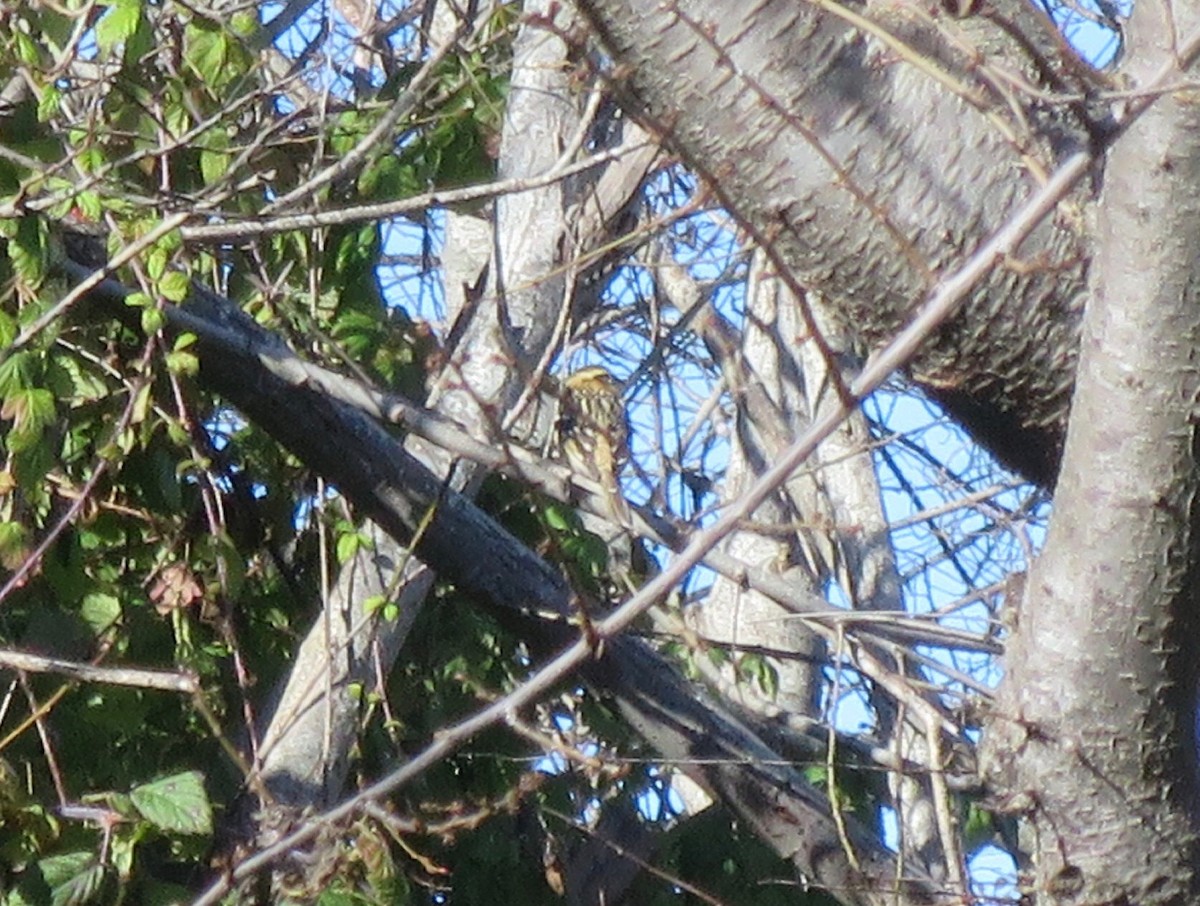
point(386, 484)
point(870, 173)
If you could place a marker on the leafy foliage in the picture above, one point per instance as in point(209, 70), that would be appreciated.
point(144, 524)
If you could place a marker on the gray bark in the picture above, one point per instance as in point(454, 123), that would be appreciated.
point(303, 758)
point(312, 724)
point(1092, 732)
point(724, 751)
point(735, 616)
point(867, 178)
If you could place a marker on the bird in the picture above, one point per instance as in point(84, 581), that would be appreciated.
point(593, 432)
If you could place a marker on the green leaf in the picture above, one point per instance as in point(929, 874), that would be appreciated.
point(358, 332)
point(89, 205)
point(75, 878)
point(387, 179)
point(588, 551)
point(141, 42)
point(207, 50)
point(356, 250)
point(48, 103)
point(16, 373)
point(176, 804)
point(769, 680)
point(27, 50)
point(178, 119)
point(152, 321)
point(156, 263)
point(100, 611)
point(172, 241)
point(347, 130)
point(91, 160)
point(184, 363)
point(122, 848)
point(347, 547)
point(31, 411)
point(335, 896)
point(118, 24)
point(177, 433)
point(58, 869)
point(82, 889)
point(27, 250)
point(175, 286)
point(979, 827)
point(8, 329)
point(30, 466)
point(243, 24)
point(757, 669)
point(562, 518)
point(232, 562)
point(213, 166)
point(13, 540)
point(142, 405)
point(73, 383)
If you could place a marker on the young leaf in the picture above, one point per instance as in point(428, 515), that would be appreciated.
point(184, 363)
point(30, 410)
point(152, 321)
point(175, 286)
point(118, 24)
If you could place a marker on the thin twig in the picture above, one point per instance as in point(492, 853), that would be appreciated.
point(166, 680)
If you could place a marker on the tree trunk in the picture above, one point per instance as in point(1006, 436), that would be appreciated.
point(867, 177)
point(869, 174)
point(1093, 731)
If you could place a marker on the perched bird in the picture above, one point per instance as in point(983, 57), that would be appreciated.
point(593, 432)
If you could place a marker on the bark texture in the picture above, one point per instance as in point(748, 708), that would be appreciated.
point(869, 174)
point(309, 733)
point(1093, 733)
point(872, 156)
point(368, 465)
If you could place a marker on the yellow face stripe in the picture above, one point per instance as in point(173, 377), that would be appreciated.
point(593, 374)
point(594, 427)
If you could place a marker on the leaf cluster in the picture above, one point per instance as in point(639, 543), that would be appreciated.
point(144, 524)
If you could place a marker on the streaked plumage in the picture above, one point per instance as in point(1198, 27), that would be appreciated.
point(594, 432)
